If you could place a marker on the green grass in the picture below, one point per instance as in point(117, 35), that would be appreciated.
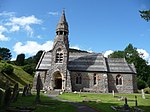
point(46, 105)
point(107, 100)
point(19, 76)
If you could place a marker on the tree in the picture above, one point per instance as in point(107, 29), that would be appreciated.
point(5, 54)
point(145, 14)
point(20, 59)
point(117, 54)
point(131, 53)
point(132, 56)
point(37, 56)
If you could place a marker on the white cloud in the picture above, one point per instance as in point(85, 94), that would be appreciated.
point(144, 54)
point(2, 36)
point(75, 47)
point(32, 47)
point(5, 13)
point(53, 13)
point(24, 23)
point(106, 53)
point(15, 28)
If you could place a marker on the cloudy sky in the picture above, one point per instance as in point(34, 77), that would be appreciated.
point(27, 26)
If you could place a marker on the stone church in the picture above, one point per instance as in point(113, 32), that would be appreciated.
point(66, 69)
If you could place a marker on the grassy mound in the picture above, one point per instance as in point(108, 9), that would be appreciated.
point(18, 76)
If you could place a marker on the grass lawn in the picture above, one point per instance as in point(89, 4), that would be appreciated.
point(47, 104)
point(107, 100)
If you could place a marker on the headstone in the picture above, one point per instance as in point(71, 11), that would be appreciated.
point(7, 97)
point(29, 90)
point(24, 90)
point(126, 106)
point(1, 96)
point(113, 93)
point(143, 94)
point(15, 93)
point(38, 88)
point(136, 101)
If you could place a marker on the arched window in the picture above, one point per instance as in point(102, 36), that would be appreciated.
point(59, 56)
point(94, 79)
point(78, 79)
point(119, 80)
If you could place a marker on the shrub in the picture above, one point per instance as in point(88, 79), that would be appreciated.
point(8, 69)
point(147, 90)
point(29, 69)
point(141, 84)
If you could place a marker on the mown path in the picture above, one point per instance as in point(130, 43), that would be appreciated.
point(80, 107)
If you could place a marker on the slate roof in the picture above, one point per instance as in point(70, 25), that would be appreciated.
point(92, 62)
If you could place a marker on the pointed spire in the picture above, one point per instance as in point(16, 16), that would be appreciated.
point(63, 17)
point(62, 25)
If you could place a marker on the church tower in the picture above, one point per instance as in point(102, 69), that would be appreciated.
point(58, 73)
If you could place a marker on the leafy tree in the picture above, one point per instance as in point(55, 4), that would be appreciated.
point(20, 59)
point(37, 56)
point(141, 84)
point(5, 54)
point(117, 54)
point(145, 14)
point(130, 53)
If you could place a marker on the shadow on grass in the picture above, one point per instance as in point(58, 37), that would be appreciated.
point(47, 104)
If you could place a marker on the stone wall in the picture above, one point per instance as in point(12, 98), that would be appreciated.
point(127, 83)
point(88, 82)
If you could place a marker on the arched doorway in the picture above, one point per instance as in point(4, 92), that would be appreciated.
point(57, 80)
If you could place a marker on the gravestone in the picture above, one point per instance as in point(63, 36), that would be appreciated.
point(1, 96)
point(29, 90)
point(143, 94)
point(7, 97)
point(25, 90)
point(38, 88)
point(15, 92)
point(113, 93)
point(136, 101)
point(126, 106)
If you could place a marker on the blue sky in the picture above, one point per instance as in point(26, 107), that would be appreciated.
point(27, 26)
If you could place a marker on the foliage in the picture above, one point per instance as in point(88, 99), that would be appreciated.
point(141, 84)
point(148, 81)
point(132, 56)
point(29, 69)
point(145, 14)
point(117, 54)
point(147, 90)
point(5, 54)
point(20, 59)
point(18, 76)
point(8, 69)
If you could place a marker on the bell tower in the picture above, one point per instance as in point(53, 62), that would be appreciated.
point(59, 75)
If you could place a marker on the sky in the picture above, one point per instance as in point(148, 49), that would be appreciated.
point(102, 26)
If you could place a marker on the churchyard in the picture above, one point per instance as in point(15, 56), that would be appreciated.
point(99, 102)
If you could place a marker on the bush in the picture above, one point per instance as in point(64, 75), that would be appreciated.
point(141, 84)
point(148, 82)
point(8, 69)
point(147, 90)
point(29, 69)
